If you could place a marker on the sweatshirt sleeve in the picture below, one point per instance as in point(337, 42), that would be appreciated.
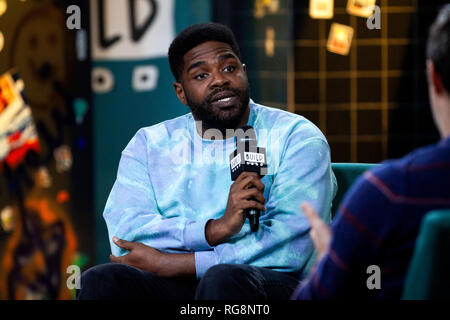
point(132, 213)
point(282, 242)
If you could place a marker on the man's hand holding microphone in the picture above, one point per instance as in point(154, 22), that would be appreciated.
point(246, 196)
point(247, 192)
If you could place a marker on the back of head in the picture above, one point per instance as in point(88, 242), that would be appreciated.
point(195, 35)
point(439, 44)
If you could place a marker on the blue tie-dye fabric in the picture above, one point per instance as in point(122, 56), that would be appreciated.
point(171, 181)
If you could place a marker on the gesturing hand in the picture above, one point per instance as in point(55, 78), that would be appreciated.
point(140, 256)
point(320, 232)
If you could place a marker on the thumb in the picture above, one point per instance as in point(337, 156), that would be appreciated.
point(311, 215)
point(319, 229)
point(124, 244)
point(320, 232)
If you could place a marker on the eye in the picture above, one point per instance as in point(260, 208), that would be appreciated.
point(200, 76)
point(229, 68)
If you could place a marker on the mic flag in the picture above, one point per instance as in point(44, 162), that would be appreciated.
point(247, 156)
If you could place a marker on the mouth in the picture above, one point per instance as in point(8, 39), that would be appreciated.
point(224, 100)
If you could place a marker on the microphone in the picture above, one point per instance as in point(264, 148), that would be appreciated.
point(251, 158)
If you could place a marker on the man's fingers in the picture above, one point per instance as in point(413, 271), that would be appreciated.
point(115, 259)
point(253, 193)
point(244, 183)
point(313, 235)
point(250, 179)
point(258, 184)
point(124, 244)
point(255, 181)
point(320, 232)
point(252, 204)
point(244, 175)
point(311, 215)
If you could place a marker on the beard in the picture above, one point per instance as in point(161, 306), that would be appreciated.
point(216, 118)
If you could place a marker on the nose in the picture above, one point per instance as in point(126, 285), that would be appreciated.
point(218, 80)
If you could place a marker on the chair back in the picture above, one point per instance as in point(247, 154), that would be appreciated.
point(346, 174)
point(428, 275)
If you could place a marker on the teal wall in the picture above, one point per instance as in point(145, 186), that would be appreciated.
point(119, 113)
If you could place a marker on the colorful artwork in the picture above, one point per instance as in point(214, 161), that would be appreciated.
point(40, 248)
point(17, 130)
point(41, 120)
point(41, 242)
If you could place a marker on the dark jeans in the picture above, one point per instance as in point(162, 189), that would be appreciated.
point(220, 282)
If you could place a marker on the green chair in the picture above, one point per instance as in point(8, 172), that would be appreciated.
point(346, 174)
point(428, 275)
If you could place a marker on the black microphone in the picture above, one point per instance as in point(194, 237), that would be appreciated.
point(251, 158)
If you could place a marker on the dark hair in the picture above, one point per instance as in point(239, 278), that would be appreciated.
point(195, 35)
point(438, 45)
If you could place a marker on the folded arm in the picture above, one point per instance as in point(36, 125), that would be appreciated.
point(131, 212)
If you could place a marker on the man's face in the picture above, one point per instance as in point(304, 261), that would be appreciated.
point(214, 85)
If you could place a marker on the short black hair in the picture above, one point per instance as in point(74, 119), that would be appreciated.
point(195, 35)
point(438, 45)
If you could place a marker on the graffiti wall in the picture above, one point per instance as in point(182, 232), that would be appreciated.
point(70, 100)
point(46, 210)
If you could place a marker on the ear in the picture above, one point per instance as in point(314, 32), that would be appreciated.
point(244, 67)
point(434, 79)
point(179, 90)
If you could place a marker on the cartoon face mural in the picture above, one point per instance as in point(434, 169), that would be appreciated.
point(40, 54)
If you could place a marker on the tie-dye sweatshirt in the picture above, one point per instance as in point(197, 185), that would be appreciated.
point(171, 181)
